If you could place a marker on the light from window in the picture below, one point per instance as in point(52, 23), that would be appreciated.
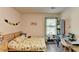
point(51, 27)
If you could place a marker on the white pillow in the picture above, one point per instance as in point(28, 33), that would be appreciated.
point(20, 39)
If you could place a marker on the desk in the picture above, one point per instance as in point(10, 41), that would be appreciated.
point(69, 47)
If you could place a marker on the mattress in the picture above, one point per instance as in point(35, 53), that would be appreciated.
point(23, 43)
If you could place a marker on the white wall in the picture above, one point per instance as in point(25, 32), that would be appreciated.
point(35, 30)
point(71, 15)
point(26, 19)
point(13, 16)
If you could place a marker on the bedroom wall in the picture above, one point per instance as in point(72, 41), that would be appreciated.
point(71, 15)
point(13, 16)
point(39, 19)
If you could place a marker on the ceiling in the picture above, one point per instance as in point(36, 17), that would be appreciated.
point(40, 9)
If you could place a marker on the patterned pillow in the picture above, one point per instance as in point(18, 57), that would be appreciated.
point(12, 44)
point(16, 34)
point(8, 37)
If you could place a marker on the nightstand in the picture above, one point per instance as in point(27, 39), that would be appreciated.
point(3, 44)
point(3, 47)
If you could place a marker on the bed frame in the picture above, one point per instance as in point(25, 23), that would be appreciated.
point(12, 36)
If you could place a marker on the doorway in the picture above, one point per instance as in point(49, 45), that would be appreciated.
point(50, 28)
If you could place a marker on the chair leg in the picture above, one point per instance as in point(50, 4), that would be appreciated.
point(65, 49)
point(70, 50)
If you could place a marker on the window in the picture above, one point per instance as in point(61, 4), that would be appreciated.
point(51, 26)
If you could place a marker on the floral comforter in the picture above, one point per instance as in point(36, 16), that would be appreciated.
point(28, 44)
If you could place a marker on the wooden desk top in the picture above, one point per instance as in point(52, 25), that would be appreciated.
point(75, 48)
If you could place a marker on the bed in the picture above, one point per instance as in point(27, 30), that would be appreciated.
point(22, 43)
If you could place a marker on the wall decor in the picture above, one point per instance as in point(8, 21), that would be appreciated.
point(33, 23)
point(14, 24)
